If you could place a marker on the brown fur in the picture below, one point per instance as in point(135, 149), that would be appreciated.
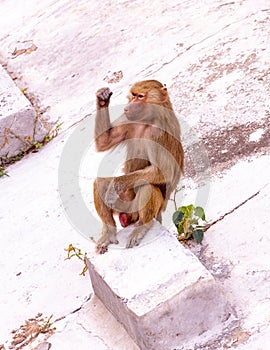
point(151, 133)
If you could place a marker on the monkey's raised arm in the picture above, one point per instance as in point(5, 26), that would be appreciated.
point(106, 135)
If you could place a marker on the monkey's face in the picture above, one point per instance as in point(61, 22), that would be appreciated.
point(138, 108)
point(136, 111)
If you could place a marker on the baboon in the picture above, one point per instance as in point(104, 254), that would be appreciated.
point(150, 131)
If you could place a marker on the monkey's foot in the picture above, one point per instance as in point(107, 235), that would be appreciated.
point(134, 240)
point(137, 234)
point(103, 243)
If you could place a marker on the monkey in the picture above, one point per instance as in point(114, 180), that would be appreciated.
point(150, 132)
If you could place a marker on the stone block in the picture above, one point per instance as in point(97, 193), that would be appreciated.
point(159, 291)
point(19, 125)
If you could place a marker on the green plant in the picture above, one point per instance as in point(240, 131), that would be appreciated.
point(29, 146)
point(52, 133)
point(3, 172)
point(47, 138)
point(190, 222)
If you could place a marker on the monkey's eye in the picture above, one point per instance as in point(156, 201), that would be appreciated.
point(140, 96)
point(133, 94)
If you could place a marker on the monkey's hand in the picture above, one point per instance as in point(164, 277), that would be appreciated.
point(114, 191)
point(103, 97)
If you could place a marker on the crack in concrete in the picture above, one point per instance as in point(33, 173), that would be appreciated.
point(68, 321)
point(231, 211)
point(74, 311)
point(93, 335)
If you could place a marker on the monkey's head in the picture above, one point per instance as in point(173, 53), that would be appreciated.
point(144, 99)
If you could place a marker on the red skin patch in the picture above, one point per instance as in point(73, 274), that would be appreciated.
point(125, 219)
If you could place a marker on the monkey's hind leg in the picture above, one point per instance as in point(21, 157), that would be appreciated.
point(108, 234)
point(150, 201)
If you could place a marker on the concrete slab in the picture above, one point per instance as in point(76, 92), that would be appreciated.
point(19, 123)
point(159, 292)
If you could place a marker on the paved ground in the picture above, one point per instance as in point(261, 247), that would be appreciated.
point(214, 58)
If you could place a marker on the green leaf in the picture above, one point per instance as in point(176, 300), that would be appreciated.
point(198, 211)
point(198, 235)
point(177, 217)
point(2, 172)
point(194, 221)
point(187, 210)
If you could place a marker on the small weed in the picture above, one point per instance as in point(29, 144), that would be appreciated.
point(47, 138)
point(29, 331)
point(30, 146)
point(54, 132)
point(3, 172)
point(190, 222)
point(5, 160)
point(73, 251)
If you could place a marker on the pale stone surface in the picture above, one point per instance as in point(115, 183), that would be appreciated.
point(19, 126)
point(214, 57)
point(94, 327)
point(159, 291)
